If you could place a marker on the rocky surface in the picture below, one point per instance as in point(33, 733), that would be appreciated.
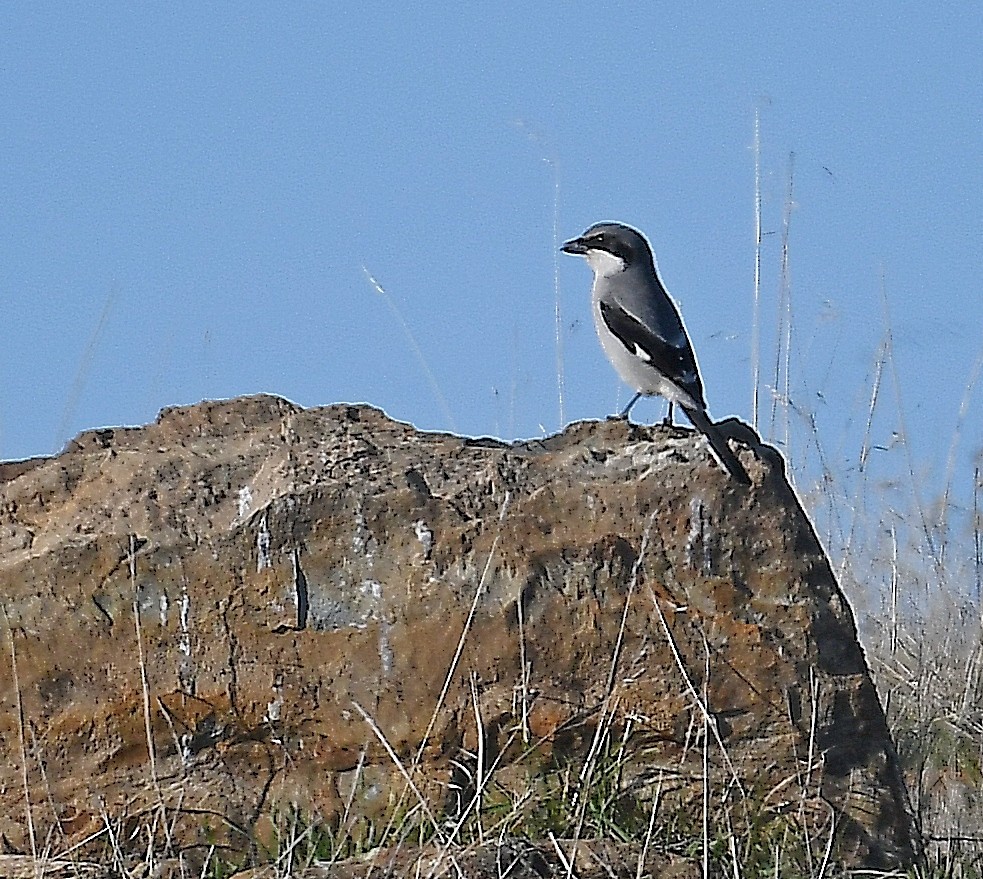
point(249, 608)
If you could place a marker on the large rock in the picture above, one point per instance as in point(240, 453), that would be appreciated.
point(300, 608)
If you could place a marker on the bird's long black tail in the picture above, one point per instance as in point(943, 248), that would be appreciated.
point(727, 458)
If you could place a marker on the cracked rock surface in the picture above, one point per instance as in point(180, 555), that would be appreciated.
point(318, 599)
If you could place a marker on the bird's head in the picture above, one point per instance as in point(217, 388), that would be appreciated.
point(610, 248)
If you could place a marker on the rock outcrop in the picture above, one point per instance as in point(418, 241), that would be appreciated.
point(249, 608)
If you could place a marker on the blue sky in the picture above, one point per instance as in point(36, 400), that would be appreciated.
point(192, 193)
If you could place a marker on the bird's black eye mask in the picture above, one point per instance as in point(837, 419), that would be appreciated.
point(603, 241)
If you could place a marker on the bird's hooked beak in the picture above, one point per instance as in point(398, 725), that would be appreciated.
point(576, 246)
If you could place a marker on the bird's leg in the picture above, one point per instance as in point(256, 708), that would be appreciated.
point(632, 402)
point(667, 421)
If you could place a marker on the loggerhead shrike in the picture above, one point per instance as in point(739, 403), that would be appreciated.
point(641, 330)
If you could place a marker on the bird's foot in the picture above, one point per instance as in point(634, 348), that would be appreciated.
point(632, 402)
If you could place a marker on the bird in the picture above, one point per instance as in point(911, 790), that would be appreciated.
point(642, 332)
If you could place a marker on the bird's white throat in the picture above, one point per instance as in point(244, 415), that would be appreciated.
point(604, 264)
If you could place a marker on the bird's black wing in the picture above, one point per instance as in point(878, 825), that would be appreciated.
point(675, 362)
